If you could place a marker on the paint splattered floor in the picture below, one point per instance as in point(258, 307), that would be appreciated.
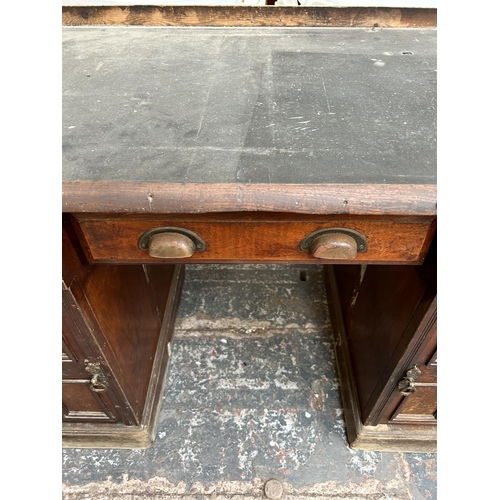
point(251, 394)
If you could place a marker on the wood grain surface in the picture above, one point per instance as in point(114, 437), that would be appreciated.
point(387, 312)
point(408, 437)
point(204, 15)
point(125, 306)
point(232, 239)
point(150, 197)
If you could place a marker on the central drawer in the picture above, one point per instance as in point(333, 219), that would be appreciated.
point(255, 237)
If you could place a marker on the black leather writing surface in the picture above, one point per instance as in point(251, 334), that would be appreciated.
point(247, 105)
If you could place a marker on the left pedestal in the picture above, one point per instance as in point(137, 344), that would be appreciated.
point(117, 327)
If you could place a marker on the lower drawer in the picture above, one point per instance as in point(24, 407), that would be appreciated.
point(257, 237)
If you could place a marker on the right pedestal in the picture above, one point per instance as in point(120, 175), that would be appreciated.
point(384, 321)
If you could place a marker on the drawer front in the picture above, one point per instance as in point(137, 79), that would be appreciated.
point(241, 239)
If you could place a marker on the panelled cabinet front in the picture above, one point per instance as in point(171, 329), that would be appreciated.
point(116, 332)
point(89, 392)
point(414, 400)
point(384, 321)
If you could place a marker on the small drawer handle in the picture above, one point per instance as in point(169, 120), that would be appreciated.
point(99, 383)
point(406, 386)
point(334, 244)
point(170, 243)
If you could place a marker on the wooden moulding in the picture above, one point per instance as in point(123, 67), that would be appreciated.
point(204, 15)
point(76, 435)
point(320, 199)
point(382, 437)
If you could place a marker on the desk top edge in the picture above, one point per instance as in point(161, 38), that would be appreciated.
point(317, 199)
point(248, 16)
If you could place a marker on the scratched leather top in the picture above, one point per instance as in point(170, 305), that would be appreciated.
point(249, 105)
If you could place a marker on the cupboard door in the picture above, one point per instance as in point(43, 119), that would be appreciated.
point(420, 406)
point(87, 384)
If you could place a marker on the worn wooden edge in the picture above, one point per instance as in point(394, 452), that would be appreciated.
point(163, 352)
point(428, 241)
point(105, 436)
point(407, 439)
point(262, 16)
point(320, 199)
point(382, 437)
point(120, 436)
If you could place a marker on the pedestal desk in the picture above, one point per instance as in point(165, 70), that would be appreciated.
point(249, 145)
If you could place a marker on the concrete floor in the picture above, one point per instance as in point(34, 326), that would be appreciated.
point(251, 394)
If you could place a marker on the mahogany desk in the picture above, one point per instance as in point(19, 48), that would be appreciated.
point(249, 145)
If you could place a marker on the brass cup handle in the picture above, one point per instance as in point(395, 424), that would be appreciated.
point(334, 244)
point(170, 243)
point(170, 246)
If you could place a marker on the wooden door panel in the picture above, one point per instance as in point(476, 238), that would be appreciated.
point(420, 407)
point(80, 404)
point(70, 366)
point(428, 375)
